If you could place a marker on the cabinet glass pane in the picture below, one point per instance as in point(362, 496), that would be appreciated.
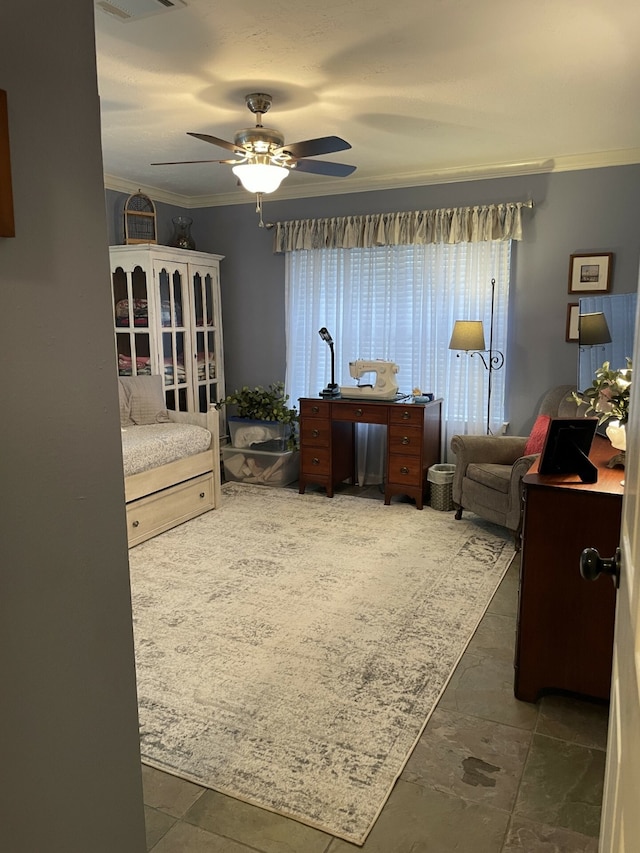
point(206, 397)
point(174, 358)
point(171, 299)
point(133, 354)
point(206, 359)
point(208, 290)
point(130, 298)
point(198, 300)
point(203, 300)
point(177, 312)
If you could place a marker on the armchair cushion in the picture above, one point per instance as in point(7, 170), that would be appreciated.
point(538, 435)
point(494, 477)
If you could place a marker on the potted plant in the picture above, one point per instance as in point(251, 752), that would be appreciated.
point(608, 398)
point(268, 407)
point(608, 394)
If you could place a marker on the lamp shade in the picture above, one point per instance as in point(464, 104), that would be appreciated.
point(260, 177)
point(467, 335)
point(593, 329)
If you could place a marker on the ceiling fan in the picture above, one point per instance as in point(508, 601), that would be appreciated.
point(262, 160)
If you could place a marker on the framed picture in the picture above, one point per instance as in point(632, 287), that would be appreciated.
point(7, 228)
point(590, 273)
point(573, 312)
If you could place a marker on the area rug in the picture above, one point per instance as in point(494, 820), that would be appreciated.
point(290, 648)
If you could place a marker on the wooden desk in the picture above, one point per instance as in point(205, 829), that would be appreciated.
point(565, 623)
point(327, 443)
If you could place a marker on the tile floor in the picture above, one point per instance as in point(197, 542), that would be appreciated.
point(490, 774)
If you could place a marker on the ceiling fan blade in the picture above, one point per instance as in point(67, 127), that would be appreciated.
point(322, 167)
point(313, 147)
point(186, 162)
point(231, 146)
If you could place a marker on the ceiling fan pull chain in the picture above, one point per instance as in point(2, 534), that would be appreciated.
point(261, 224)
point(259, 209)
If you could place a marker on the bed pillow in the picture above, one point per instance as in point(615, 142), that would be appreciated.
point(146, 401)
point(124, 397)
point(538, 435)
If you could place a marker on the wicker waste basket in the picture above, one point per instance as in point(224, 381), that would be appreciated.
point(440, 478)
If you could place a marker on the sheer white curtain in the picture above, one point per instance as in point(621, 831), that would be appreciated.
point(399, 303)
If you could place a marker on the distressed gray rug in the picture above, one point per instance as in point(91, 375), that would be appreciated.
point(290, 648)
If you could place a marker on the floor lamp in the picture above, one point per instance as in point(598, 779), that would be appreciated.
point(468, 336)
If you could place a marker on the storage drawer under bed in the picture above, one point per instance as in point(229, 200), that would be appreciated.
point(155, 513)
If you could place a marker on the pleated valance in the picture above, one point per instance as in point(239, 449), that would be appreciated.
point(476, 224)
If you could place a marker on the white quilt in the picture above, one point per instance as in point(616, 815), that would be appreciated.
point(146, 447)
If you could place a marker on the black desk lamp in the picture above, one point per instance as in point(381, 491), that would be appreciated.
point(332, 390)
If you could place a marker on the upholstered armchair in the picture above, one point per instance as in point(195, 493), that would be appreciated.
point(490, 468)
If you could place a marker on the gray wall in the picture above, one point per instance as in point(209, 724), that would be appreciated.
point(582, 211)
point(71, 776)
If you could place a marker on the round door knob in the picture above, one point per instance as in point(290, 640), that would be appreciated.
point(592, 565)
point(201, 494)
point(136, 524)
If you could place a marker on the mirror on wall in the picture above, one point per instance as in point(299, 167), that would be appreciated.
point(620, 312)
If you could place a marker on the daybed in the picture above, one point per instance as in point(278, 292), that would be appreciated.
point(171, 459)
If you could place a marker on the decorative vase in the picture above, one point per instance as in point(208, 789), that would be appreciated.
point(182, 238)
point(617, 435)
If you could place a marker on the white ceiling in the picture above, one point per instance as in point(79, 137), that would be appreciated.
point(424, 90)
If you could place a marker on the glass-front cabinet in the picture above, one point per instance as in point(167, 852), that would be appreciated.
point(166, 305)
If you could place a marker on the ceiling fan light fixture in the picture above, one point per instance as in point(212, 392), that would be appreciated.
point(260, 177)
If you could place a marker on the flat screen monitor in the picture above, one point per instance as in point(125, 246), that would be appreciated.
point(567, 446)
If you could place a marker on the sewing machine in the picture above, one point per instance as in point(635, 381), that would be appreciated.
point(385, 388)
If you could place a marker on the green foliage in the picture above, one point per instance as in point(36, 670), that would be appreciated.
point(264, 404)
point(608, 394)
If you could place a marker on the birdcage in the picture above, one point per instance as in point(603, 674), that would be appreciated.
point(139, 220)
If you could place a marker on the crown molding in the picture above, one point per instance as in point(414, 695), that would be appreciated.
point(570, 163)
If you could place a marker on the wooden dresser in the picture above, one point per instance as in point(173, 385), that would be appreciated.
point(565, 623)
point(327, 443)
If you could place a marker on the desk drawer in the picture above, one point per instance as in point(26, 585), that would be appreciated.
point(406, 414)
point(356, 411)
point(404, 470)
point(315, 460)
point(314, 431)
point(405, 440)
point(314, 409)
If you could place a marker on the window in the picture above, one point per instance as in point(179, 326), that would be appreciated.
point(399, 303)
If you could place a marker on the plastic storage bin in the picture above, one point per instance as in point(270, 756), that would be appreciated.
point(265, 435)
point(440, 478)
point(262, 467)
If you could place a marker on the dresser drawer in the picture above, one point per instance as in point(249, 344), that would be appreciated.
point(314, 409)
point(315, 432)
point(400, 414)
point(405, 439)
point(404, 470)
point(315, 460)
point(356, 411)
